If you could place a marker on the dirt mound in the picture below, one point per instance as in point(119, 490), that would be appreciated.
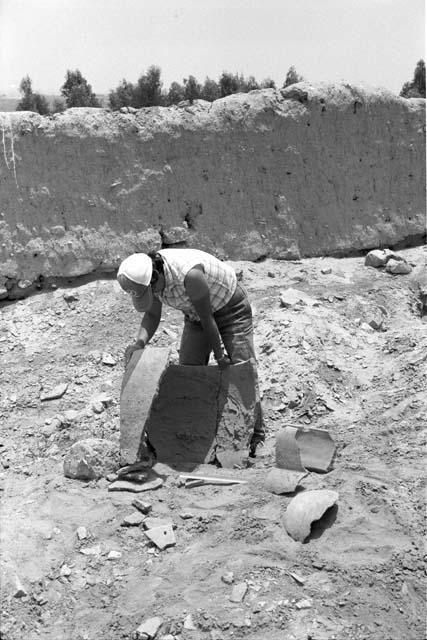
point(309, 170)
point(321, 365)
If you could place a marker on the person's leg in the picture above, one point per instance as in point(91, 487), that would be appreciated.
point(236, 328)
point(194, 348)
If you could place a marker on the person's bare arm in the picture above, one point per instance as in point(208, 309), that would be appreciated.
point(150, 321)
point(197, 289)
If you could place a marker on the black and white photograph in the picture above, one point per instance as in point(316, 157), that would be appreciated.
point(213, 320)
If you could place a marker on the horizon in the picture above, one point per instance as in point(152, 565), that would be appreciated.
point(371, 42)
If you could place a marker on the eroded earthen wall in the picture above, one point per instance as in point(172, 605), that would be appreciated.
point(305, 171)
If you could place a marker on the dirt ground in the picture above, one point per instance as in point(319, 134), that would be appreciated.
point(321, 365)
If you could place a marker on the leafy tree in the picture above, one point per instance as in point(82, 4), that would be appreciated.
point(123, 96)
point(176, 93)
point(292, 77)
point(250, 84)
point(31, 101)
point(268, 83)
point(148, 90)
point(210, 90)
point(77, 91)
point(228, 84)
point(58, 106)
point(192, 90)
point(417, 87)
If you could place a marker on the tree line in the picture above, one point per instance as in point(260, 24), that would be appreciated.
point(148, 90)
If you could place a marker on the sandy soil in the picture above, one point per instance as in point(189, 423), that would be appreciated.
point(361, 572)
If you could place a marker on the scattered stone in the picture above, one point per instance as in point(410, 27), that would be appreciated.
point(186, 515)
point(239, 591)
point(398, 267)
point(70, 416)
point(57, 392)
point(162, 537)
point(70, 296)
point(108, 360)
point(175, 235)
point(376, 258)
point(65, 571)
point(124, 485)
point(133, 519)
point(188, 623)
point(97, 407)
point(91, 551)
point(291, 297)
point(305, 509)
point(114, 555)
point(377, 321)
point(19, 589)
point(228, 577)
point(143, 507)
point(81, 533)
point(270, 274)
point(281, 481)
point(326, 271)
point(111, 477)
point(91, 459)
point(148, 629)
point(304, 604)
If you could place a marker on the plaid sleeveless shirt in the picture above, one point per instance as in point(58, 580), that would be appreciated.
point(221, 278)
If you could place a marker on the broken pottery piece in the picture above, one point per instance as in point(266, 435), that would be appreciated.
point(162, 537)
point(300, 448)
point(139, 387)
point(238, 592)
point(124, 485)
point(57, 392)
point(305, 509)
point(283, 481)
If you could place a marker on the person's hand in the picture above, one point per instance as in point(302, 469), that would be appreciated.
point(224, 361)
point(129, 351)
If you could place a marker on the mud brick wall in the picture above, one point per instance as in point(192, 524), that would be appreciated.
point(305, 171)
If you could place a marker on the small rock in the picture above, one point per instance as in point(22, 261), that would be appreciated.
point(114, 555)
point(186, 515)
point(65, 570)
point(57, 392)
point(188, 623)
point(70, 296)
point(239, 591)
point(304, 604)
point(91, 459)
point(149, 628)
point(291, 297)
point(326, 271)
point(228, 577)
point(133, 520)
point(81, 533)
point(398, 267)
point(19, 590)
point(175, 235)
point(270, 274)
point(97, 407)
point(108, 359)
point(143, 507)
point(69, 416)
point(376, 321)
point(91, 551)
point(376, 258)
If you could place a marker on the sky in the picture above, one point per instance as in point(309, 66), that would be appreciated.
point(376, 42)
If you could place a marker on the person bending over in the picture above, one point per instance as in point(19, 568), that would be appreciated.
point(217, 312)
